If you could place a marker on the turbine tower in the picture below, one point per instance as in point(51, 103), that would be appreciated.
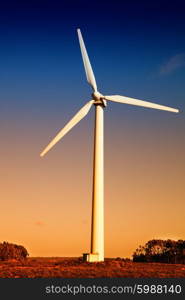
point(100, 102)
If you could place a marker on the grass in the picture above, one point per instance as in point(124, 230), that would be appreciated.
point(75, 267)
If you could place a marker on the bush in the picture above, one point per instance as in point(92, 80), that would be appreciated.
point(12, 251)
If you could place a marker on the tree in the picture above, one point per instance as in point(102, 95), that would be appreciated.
point(167, 251)
point(12, 251)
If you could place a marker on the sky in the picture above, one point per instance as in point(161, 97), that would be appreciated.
point(136, 49)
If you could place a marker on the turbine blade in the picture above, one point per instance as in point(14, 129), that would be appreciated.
point(77, 118)
point(132, 101)
point(86, 61)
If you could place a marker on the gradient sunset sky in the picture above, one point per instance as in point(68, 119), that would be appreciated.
point(137, 50)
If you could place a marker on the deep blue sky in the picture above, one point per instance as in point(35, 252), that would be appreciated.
point(127, 41)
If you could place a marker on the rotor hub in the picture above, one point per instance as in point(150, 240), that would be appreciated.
point(98, 98)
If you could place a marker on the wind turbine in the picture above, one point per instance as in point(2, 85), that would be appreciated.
point(100, 102)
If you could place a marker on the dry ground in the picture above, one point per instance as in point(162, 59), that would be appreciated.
point(74, 267)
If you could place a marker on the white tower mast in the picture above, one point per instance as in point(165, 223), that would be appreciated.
point(97, 227)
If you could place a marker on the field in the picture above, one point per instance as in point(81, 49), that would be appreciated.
point(75, 267)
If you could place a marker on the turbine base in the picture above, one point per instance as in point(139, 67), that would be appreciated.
point(91, 257)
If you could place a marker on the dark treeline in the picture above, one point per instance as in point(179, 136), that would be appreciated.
point(12, 251)
point(165, 251)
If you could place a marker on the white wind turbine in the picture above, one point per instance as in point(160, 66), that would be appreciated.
point(99, 101)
